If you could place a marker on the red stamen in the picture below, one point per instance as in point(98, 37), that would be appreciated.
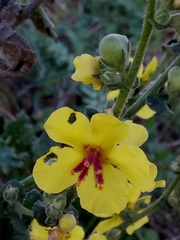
point(92, 158)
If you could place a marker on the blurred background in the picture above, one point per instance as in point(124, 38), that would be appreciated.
point(26, 102)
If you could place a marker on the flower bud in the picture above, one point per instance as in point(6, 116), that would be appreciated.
point(67, 222)
point(115, 51)
point(59, 201)
point(39, 213)
point(31, 197)
point(174, 22)
point(53, 212)
point(174, 198)
point(161, 17)
point(174, 80)
point(175, 165)
point(10, 194)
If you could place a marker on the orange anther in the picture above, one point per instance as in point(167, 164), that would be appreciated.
point(78, 183)
point(99, 172)
point(86, 164)
point(100, 186)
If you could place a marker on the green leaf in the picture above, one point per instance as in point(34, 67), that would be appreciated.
point(45, 143)
point(8, 160)
point(19, 229)
point(20, 133)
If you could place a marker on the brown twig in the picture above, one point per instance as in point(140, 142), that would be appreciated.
point(27, 12)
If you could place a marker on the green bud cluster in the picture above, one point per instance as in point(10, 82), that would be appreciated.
point(49, 210)
point(167, 14)
point(114, 52)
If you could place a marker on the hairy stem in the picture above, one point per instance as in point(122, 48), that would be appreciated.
point(139, 55)
point(28, 182)
point(153, 206)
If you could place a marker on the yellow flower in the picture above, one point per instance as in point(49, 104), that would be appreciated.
point(86, 67)
point(100, 156)
point(41, 233)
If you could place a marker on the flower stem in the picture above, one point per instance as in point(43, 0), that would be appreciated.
point(20, 209)
point(153, 206)
point(139, 55)
point(28, 182)
point(151, 89)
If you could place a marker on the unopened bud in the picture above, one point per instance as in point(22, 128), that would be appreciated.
point(115, 51)
point(174, 80)
point(161, 17)
point(175, 165)
point(53, 212)
point(10, 194)
point(59, 201)
point(67, 222)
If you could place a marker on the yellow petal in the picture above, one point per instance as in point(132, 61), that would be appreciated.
point(137, 134)
point(108, 224)
point(145, 112)
point(97, 84)
point(111, 199)
point(112, 94)
point(69, 127)
point(136, 225)
point(56, 177)
point(77, 233)
point(134, 164)
point(38, 232)
point(107, 130)
point(153, 173)
point(134, 193)
point(146, 198)
point(86, 66)
point(151, 67)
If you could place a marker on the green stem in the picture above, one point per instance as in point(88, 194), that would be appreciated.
point(139, 55)
point(28, 182)
point(153, 206)
point(151, 89)
point(20, 209)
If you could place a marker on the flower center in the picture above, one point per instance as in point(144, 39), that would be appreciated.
point(92, 159)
